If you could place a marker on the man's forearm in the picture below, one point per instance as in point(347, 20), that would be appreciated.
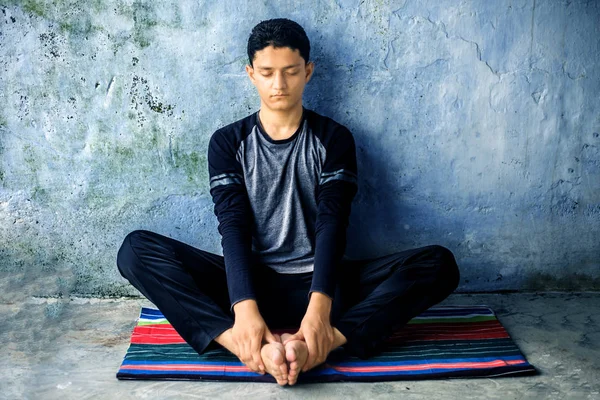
point(329, 250)
point(245, 307)
point(239, 280)
point(319, 303)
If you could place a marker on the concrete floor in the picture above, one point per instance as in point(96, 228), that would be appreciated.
point(72, 348)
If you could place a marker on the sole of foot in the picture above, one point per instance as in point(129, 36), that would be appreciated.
point(273, 356)
point(296, 353)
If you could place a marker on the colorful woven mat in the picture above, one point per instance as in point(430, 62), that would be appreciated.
point(442, 342)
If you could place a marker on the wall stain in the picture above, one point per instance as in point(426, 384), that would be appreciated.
point(144, 19)
point(542, 281)
point(138, 146)
point(50, 42)
point(141, 95)
point(34, 7)
point(193, 164)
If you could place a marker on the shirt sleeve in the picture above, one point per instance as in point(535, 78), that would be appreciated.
point(232, 208)
point(335, 192)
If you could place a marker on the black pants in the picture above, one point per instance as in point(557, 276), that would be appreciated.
point(372, 296)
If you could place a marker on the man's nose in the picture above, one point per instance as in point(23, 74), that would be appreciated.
point(279, 81)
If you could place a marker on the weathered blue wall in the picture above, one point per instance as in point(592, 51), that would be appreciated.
point(477, 127)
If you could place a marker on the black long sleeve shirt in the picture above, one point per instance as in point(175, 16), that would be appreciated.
point(284, 203)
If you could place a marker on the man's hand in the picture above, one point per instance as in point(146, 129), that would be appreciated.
point(249, 331)
point(316, 330)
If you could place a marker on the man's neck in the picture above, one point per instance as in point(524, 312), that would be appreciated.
point(280, 125)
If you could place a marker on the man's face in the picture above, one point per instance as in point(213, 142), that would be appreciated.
point(279, 75)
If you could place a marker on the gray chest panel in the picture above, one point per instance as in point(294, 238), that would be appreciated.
point(281, 180)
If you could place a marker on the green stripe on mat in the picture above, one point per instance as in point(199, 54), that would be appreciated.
point(163, 322)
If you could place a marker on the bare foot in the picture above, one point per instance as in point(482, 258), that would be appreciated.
point(296, 353)
point(273, 356)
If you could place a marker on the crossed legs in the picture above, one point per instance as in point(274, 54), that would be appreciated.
point(373, 297)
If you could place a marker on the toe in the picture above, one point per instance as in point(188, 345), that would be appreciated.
point(293, 368)
point(281, 381)
point(278, 354)
point(292, 379)
point(277, 375)
point(290, 354)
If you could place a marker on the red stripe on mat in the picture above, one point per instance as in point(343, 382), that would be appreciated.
point(421, 367)
point(487, 364)
point(185, 367)
point(451, 326)
point(454, 336)
point(151, 335)
point(156, 340)
point(408, 327)
point(173, 339)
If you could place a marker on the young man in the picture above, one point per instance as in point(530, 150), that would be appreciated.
point(283, 180)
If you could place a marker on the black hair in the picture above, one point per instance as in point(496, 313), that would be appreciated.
point(279, 32)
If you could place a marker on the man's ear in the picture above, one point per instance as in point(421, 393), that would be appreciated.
point(250, 72)
point(309, 68)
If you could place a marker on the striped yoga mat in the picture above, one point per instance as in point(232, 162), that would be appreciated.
point(442, 342)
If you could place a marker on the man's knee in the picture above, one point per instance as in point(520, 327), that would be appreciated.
point(127, 261)
point(448, 272)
